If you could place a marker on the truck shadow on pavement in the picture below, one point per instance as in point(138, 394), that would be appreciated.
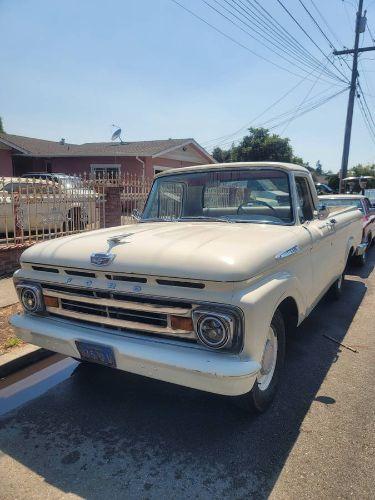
point(102, 432)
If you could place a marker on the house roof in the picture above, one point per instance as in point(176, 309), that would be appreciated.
point(39, 147)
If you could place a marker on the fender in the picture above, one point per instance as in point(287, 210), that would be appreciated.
point(259, 303)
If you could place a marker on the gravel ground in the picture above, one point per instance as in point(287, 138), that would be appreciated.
point(8, 340)
point(98, 433)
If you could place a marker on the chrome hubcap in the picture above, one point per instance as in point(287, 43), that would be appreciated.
point(269, 359)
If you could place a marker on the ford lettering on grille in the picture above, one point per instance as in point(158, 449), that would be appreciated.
point(101, 259)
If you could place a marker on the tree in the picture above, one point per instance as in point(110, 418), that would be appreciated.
point(333, 181)
point(318, 168)
point(221, 155)
point(2, 131)
point(259, 145)
point(364, 170)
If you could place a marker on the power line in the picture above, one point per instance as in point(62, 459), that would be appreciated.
point(265, 14)
point(366, 120)
point(244, 127)
point(251, 35)
point(326, 23)
point(302, 102)
point(268, 29)
point(317, 24)
point(366, 105)
point(312, 108)
point(271, 106)
point(229, 37)
point(309, 37)
point(310, 105)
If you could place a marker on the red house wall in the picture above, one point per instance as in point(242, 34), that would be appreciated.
point(81, 165)
point(6, 166)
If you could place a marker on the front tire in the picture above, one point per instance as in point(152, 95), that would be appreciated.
point(265, 387)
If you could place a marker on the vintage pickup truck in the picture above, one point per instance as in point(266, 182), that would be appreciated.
point(203, 290)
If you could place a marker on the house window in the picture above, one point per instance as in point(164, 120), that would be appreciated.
point(106, 170)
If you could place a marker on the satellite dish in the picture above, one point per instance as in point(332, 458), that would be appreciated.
point(116, 135)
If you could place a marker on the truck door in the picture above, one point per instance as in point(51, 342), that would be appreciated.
point(322, 237)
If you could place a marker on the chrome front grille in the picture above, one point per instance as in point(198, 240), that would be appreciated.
point(148, 318)
point(120, 311)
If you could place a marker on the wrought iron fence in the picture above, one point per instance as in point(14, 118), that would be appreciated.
point(134, 194)
point(34, 209)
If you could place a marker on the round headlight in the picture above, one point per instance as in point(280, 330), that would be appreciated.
point(213, 331)
point(30, 299)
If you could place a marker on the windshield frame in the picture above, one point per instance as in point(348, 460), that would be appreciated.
point(182, 171)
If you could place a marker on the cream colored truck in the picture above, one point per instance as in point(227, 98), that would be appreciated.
point(200, 292)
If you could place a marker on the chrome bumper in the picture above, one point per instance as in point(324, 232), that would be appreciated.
point(161, 359)
point(361, 249)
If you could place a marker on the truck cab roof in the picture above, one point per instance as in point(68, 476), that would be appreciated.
point(289, 167)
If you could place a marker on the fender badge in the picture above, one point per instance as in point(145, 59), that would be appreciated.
point(101, 258)
point(288, 253)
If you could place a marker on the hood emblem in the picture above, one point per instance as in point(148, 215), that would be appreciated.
point(101, 258)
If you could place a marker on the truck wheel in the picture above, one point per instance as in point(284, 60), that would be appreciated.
point(261, 395)
point(336, 289)
point(360, 260)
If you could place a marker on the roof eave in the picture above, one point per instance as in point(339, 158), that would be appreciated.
point(13, 146)
point(186, 143)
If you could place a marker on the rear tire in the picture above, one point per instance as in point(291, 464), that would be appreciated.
point(265, 387)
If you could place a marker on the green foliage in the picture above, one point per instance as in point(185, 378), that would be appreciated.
point(364, 170)
point(333, 181)
point(319, 168)
point(2, 131)
point(259, 145)
point(221, 155)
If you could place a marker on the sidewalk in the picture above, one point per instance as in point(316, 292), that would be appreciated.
point(8, 294)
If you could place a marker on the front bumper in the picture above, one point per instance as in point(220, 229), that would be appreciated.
point(361, 249)
point(161, 359)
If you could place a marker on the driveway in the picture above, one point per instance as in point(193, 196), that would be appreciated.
point(79, 431)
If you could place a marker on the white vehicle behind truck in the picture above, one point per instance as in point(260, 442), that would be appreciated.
point(225, 261)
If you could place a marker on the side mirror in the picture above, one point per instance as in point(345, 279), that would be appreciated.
point(322, 211)
point(136, 214)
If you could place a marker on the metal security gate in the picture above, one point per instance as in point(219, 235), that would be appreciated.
point(39, 209)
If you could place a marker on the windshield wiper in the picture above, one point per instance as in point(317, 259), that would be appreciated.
point(249, 221)
point(192, 218)
point(206, 218)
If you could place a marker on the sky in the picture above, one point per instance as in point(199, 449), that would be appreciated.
point(72, 68)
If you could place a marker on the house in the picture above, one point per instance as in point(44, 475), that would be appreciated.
point(19, 155)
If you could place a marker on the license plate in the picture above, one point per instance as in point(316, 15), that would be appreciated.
point(96, 353)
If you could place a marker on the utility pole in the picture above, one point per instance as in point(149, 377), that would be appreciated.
point(353, 86)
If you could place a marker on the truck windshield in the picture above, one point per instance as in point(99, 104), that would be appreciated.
point(242, 195)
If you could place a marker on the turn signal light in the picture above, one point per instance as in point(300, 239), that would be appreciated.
point(51, 301)
point(181, 323)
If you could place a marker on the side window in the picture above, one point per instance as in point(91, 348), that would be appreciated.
point(367, 205)
point(305, 203)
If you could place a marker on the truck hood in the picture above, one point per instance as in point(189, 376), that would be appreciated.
point(212, 251)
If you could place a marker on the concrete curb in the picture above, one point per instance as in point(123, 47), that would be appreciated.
point(21, 357)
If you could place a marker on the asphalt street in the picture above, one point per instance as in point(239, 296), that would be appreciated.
point(69, 430)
